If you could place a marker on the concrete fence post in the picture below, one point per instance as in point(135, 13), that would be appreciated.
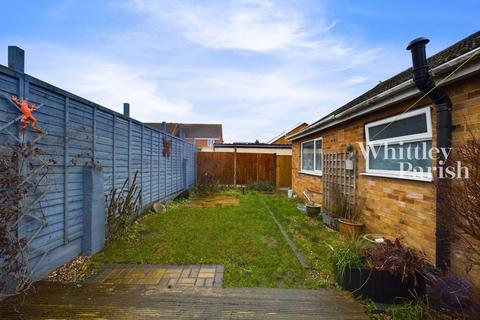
point(94, 214)
point(126, 109)
point(16, 58)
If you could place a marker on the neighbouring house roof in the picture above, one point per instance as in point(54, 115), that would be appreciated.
point(287, 132)
point(252, 145)
point(193, 130)
point(462, 47)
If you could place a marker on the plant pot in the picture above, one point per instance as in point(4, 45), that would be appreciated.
point(312, 210)
point(350, 228)
point(329, 220)
point(380, 285)
point(290, 193)
point(349, 164)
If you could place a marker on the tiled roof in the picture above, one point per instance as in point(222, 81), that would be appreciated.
point(461, 47)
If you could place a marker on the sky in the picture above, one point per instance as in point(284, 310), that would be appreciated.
point(256, 66)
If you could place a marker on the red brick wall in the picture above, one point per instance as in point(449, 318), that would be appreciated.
point(401, 208)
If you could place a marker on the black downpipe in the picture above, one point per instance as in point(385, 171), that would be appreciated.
point(426, 85)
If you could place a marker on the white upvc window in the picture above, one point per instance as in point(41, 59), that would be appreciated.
point(400, 146)
point(311, 156)
point(210, 142)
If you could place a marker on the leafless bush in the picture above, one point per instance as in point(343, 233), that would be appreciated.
point(462, 199)
point(342, 206)
point(207, 185)
point(22, 169)
point(123, 207)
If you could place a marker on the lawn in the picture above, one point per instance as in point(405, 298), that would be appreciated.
point(242, 237)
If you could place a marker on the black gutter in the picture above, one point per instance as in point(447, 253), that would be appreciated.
point(443, 104)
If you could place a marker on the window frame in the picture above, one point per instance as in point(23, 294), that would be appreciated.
point(210, 142)
point(418, 137)
point(313, 172)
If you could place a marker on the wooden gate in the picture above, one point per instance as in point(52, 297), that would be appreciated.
point(284, 171)
point(337, 174)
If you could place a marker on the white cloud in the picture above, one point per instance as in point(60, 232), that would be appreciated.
point(357, 80)
point(256, 66)
point(257, 26)
point(248, 25)
point(105, 82)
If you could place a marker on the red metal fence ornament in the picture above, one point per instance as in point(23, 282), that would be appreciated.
point(167, 144)
point(27, 119)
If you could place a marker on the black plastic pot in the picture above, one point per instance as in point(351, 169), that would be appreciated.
point(379, 285)
point(312, 210)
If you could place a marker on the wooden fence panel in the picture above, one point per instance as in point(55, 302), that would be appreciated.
point(244, 168)
point(216, 165)
point(266, 167)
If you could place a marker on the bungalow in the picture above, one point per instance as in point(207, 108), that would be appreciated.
point(393, 119)
point(282, 138)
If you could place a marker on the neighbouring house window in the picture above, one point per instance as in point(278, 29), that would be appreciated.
point(311, 156)
point(210, 142)
point(400, 145)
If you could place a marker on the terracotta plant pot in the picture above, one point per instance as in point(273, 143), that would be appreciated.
point(312, 210)
point(350, 228)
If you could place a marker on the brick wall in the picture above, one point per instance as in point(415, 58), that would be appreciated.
point(401, 208)
point(200, 143)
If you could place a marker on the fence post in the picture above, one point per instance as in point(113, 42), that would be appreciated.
point(141, 169)
point(275, 159)
point(16, 59)
point(129, 152)
point(113, 150)
point(151, 166)
point(94, 210)
point(94, 134)
point(65, 172)
point(235, 167)
point(126, 109)
point(158, 164)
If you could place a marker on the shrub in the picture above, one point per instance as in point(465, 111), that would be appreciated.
point(462, 202)
point(263, 186)
point(123, 207)
point(207, 185)
point(409, 310)
point(397, 259)
point(348, 255)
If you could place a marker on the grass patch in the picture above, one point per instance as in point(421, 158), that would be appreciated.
point(244, 238)
point(400, 310)
point(311, 236)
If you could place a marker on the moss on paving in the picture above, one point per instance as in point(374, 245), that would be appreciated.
point(243, 238)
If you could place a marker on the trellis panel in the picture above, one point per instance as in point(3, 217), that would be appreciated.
point(335, 173)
